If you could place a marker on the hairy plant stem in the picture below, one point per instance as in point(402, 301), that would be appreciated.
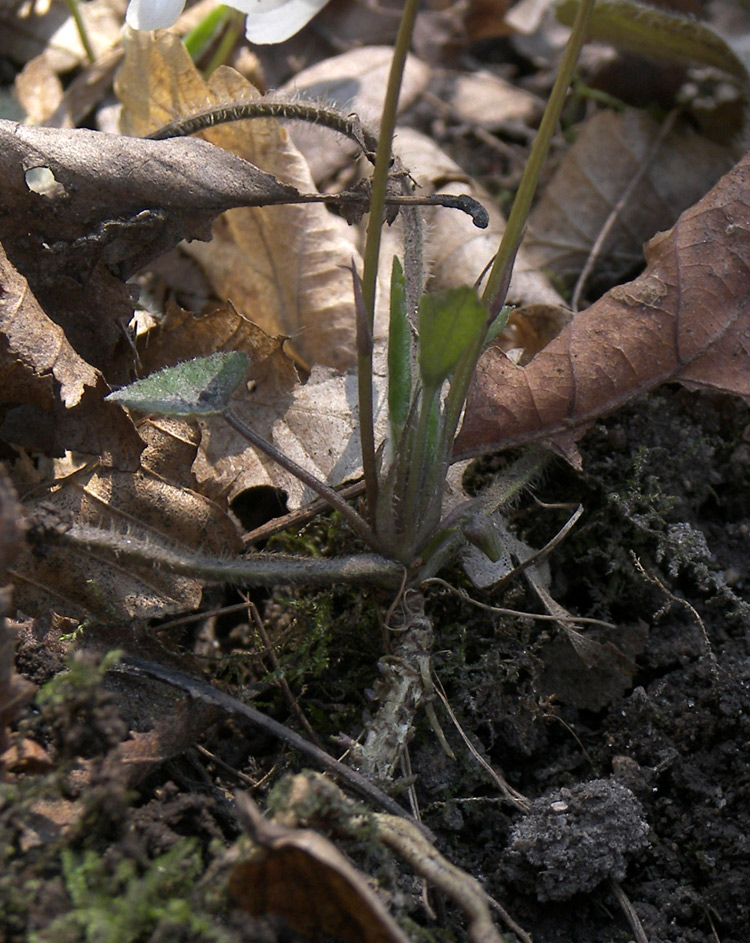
point(404, 683)
point(372, 247)
point(245, 109)
point(261, 569)
point(499, 277)
point(331, 497)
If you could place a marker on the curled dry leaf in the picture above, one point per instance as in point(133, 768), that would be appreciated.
point(686, 319)
point(287, 268)
point(301, 876)
point(110, 204)
point(50, 398)
point(608, 154)
point(145, 506)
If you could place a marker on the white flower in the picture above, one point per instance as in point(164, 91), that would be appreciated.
point(268, 21)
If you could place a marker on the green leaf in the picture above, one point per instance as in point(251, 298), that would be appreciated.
point(201, 36)
point(498, 325)
point(399, 353)
point(449, 321)
point(200, 387)
point(642, 29)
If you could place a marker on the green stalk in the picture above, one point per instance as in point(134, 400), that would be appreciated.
point(434, 483)
point(233, 29)
point(372, 246)
point(201, 36)
point(82, 31)
point(499, 278)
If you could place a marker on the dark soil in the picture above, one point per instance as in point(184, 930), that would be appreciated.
point(665, 480)
point(633, 747)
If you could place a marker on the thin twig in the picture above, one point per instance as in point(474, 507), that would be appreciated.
point(424, 858)
point(294, 520)
point(357, 523)
point(539, 555)
point(619, 206)
point(655, 581)
point(627, 908)
point(512, 795)
point(246, 780)
point(539, 617)
point(203, 691)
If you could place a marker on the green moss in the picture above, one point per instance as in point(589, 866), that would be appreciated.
point(121, 903)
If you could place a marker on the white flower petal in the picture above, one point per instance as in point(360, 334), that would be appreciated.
point(153, 14)
point(270, 21)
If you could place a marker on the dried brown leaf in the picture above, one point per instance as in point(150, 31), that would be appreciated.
point(488, 101)
point(316, 425)
point(50, 397)
point(113, 205)
point(32, 29)
point(303, 877)
point(485, 19)
point(38, 90)
point(285, 267)
point(354, 82)
point(609, 152)
point(687, 318)
point(144, 506)
point(456, 251)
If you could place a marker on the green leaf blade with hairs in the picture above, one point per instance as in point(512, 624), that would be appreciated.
point(201, 387)
point(399, 354)
point(449, 322)
point(647, 31)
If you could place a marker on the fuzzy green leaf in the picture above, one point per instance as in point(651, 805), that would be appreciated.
point(200, 387)
point(399, 353)
point(449, 321)
point(642, 29)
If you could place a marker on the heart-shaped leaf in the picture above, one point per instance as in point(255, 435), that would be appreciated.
point(201, 387)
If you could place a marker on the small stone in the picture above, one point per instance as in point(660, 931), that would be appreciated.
point(573, 839)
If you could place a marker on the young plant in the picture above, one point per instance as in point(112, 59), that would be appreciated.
point(435, 342)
